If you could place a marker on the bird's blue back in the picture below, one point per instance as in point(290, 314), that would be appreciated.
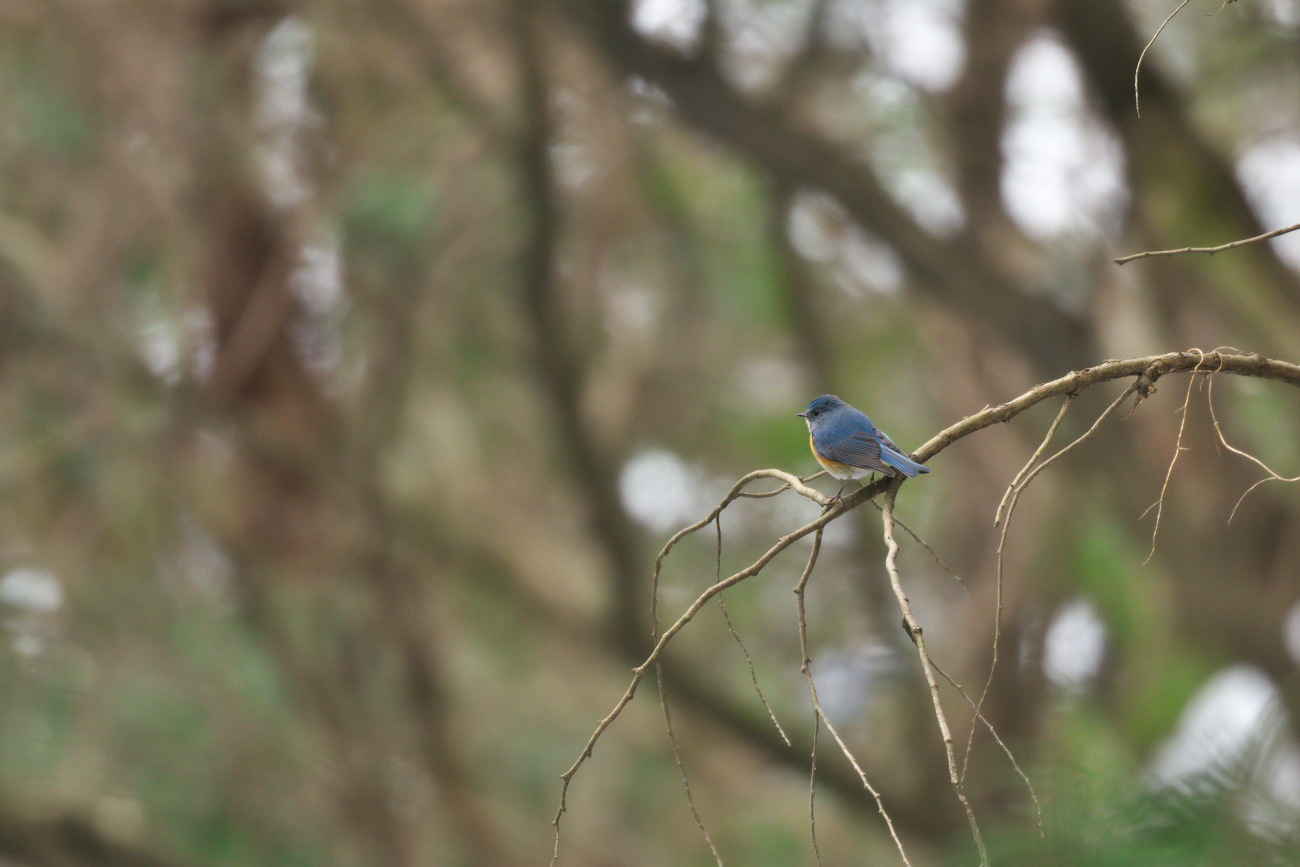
point(843, 422)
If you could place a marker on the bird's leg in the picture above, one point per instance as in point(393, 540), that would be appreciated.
point(836, 499)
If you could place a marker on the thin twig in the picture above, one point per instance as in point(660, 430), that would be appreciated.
point(914, 630)
point(1207, 250)
point(806, 667)
point(926, 545)
point(681, 766)
point(638, 674)
point(1071, 447)
point(726, 615)
point(1038, 807)
point(1016, 482)
point(1159, 504)
point(1137, 101)
point(812, 789)
point(1038, 453)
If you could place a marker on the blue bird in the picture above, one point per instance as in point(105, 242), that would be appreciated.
point(849, 446)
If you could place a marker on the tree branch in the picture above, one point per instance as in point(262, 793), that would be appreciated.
point(1210, 251)
point(918, 638)
point(1147, 369)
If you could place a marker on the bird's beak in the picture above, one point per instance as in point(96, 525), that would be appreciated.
point(802, 414)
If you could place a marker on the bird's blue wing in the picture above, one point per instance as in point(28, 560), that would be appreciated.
point(858, 449)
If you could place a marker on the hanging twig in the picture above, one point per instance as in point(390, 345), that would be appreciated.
point(1137, 100)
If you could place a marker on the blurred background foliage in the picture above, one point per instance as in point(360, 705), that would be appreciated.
point(356, 357)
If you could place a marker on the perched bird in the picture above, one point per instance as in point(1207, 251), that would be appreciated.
point(849, 446)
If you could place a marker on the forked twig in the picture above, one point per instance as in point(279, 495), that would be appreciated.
point(737, 491)
point(1038, 807)
point(1071, 447)
point(638, 673)
point(1272, 476)
point(1007, 496)
point(1038, 453)
point(1015, 490)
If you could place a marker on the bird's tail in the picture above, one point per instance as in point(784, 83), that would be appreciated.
point(907, 466)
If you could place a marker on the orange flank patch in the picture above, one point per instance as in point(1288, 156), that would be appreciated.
point(835, 468)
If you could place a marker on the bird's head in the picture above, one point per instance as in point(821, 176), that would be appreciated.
point(820, 408)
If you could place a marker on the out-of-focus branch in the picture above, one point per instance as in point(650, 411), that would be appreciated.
point(947, 270)
point(556, 367)
point(639, 673)
point(803, 67)
point(68, 841)
point(799, 290)
point(992, 32)
point(711, 30)
point(293, 457)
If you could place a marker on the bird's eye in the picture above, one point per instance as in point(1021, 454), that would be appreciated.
point(816, 413)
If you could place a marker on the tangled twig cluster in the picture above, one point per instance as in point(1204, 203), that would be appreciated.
point(1144, 371)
